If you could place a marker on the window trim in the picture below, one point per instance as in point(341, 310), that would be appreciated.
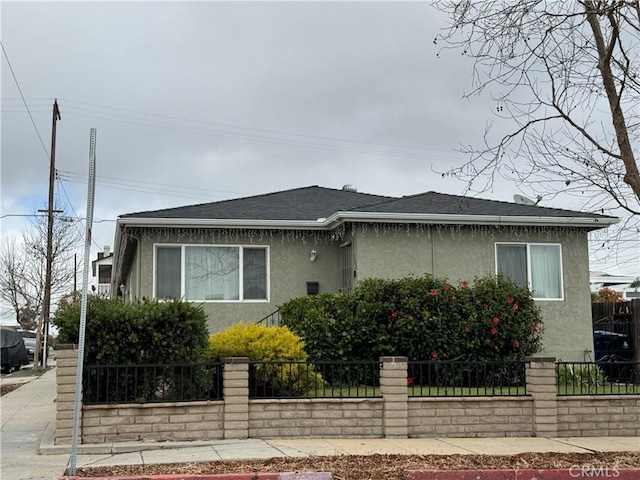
point(528, 250)
point(241, 247)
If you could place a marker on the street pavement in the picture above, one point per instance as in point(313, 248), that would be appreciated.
point(28, 452)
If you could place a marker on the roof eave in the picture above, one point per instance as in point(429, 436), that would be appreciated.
point(342, 216)
point(222, 223)
point(457, 219)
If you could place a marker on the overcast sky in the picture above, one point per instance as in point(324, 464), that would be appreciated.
point(203, 101)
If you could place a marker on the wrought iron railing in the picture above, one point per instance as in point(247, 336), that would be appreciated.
point(318, 379)
point(466, 378)
point(598, 378)
point(271, 320)
point(104, 384)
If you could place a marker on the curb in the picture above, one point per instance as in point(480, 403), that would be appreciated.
point(573, 473)
point(220, 476)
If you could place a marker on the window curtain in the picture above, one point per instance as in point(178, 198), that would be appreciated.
point(512, 262)
point(545, 271)
point(254, 273)
point(212, 273)
point(168, 272)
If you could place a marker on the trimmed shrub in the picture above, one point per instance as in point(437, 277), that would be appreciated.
point(147, 332)
point(267, 344)
point(422, 318)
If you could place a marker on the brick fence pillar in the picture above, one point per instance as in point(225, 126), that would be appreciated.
point(66, 371)
point(235, 387)
point(393, 388)
point(541, 385)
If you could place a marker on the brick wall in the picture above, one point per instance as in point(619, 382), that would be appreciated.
point(540, 413)
point(591, 416)
point(66, 368)
point(152, 422)
point(470, 417)
point(361, 417)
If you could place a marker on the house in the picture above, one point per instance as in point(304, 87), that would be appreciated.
point(101, 273)
point(625, 284)
point(242, 258)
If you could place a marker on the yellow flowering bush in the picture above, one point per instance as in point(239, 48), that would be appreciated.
point(282, 377)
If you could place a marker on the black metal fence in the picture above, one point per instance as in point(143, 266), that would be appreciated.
point(319, 379)
point(104, 384)
point(598, 378)
point(466, 378)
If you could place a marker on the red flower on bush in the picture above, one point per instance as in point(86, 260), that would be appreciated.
point(515, 307)
point(516, 344)
point(444, 355)
point(467, 329)
point(433, 292)
point(494, 331)
point(496, 320)
point(496, 348)
point(533, 326)
point(409, 381)
point(394, 314)
point(411, 319)
point(434, 355)
point(464, 283)
point(454, 298)
point(510, 300)
point(447, 288)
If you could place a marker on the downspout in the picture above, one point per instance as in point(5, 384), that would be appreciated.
point(433, 253)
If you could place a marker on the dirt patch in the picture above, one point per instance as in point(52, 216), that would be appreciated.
point(378, 467)
point(4, 389)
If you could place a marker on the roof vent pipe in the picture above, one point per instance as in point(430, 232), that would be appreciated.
point(349, 188)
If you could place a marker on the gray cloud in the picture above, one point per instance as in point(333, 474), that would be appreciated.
point(354, 89)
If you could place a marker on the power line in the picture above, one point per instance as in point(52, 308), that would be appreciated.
point(291, 143)
point(82, 176)
point(156, 190)
point(23, 99)
point(76, 213)
point(252, 129)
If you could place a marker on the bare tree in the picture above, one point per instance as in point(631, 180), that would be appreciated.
point(566, 76)
point(22, 267)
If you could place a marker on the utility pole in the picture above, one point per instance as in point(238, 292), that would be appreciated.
point(46, 301)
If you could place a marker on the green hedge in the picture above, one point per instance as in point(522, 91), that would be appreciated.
point(147, 332)
point(423, 318)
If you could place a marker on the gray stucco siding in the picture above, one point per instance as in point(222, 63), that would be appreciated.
point(394, 251)
point(289, 269)
point(466, 252)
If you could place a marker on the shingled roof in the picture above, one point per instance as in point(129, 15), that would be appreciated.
point(306, 203)
point(309, 204)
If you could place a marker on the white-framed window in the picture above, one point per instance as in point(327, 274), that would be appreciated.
point(228, 273)
point(536, 265)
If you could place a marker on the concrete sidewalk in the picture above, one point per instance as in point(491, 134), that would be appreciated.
point(28, 416)
point(28, 452)
point(257, 449)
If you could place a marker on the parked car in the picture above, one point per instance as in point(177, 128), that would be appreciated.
point(29, 338)
point(13, 353)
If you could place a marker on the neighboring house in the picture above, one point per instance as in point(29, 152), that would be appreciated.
point(618, 283)
point(101, 270)
point(242, 258)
